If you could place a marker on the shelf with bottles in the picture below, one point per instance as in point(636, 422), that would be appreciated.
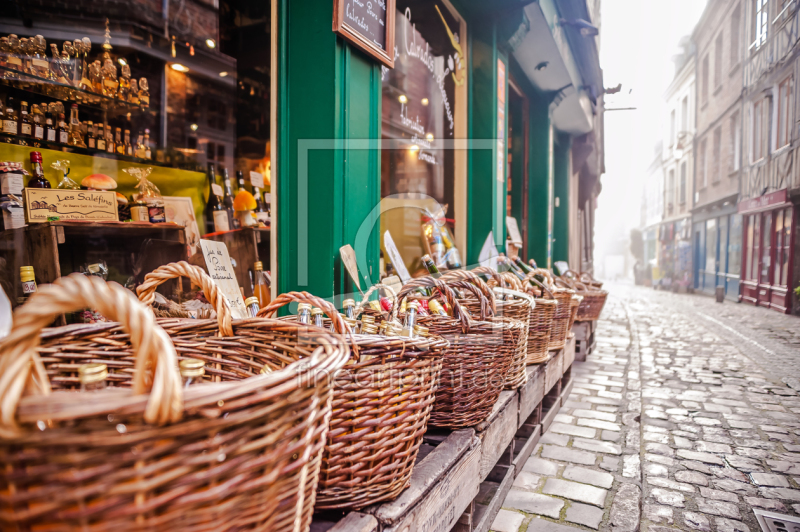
point(63, 91)
point(34, 143)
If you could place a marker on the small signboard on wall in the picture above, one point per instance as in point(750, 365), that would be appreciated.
point(367, 24)
point(90, 205)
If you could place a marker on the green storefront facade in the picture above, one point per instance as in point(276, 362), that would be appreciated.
point(533, 65)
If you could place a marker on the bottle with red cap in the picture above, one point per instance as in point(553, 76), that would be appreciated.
point(37, 180)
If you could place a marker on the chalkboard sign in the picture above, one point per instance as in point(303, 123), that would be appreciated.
point(369, 25)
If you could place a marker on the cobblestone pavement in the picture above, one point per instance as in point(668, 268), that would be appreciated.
point(674, 423)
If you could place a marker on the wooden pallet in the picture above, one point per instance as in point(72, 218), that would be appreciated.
point(462, 477)
point(585, 338)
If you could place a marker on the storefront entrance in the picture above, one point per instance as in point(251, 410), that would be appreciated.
point(717, 254)
point(768, 252)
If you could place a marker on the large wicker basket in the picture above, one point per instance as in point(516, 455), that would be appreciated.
point(541, 324)
point(508, 304)
point(382, 401)
point(563, 296)
point(593, 301)
point(476, 363)
point(146, 454)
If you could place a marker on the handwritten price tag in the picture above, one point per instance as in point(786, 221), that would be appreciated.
point(218, 262)
point(257, 179)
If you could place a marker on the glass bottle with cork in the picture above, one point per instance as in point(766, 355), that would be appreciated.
point(37, 180)
point(261, 288)
point(192, 371)
point(28, 281)
point(216, 218)
point(93, 376)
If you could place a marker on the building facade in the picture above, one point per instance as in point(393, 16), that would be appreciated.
point(652, 215)
point(716, 225)
point(677, 166)
point(770, 181)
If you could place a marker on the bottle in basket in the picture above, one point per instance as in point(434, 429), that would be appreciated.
point(411, 319)
point(192, 371)
point(304, 313)
point(436, 308)
point(252, 306)
point(316, 315)
point(349, 306)
point(93, 376)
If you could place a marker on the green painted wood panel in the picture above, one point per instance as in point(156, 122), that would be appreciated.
point(561, 159)
point(540, 181)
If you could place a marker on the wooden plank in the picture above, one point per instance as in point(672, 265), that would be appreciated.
point(525, 449)
point(356, 522)
point(500, 404)
point(547, 419)
point(530, 394)
point(499, 434)
point(553, 371)
point(569, 354)
point(429, 474)
point(441, 509)
point(566, 390)
point(485, 514)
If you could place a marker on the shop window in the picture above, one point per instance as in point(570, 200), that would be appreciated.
point(766, 248)
point(670, 192)
point(735, 143)
point(735, 245)
point(702, 178)
point(783, 225)
point(783, 113)
point(421, 98)
point(760, 128)
point(704, 82)
point(711, 246)
point(672, 131)
point(685, 114)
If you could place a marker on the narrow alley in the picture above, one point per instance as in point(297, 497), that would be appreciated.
point(684, 418)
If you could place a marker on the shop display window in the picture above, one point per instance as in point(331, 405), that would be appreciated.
point(421, 99)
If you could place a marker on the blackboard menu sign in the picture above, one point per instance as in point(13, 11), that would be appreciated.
point(369, 25)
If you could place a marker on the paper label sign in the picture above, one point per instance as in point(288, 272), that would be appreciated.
point(257, 179)
point(216, 189)
point(394, 257)
point(513, 230)
point(99, 205)
point(218, 262)
point(488, 255)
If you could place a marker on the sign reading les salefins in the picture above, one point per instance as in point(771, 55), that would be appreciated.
point(91, 205)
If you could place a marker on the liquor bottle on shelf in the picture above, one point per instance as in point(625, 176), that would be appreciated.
point(261, 207)
point(3, 52)
point(62, 133)
point(110, 83)
point(124, 82)
point(216, 217)
point(83, 59)
point(57, 66)
point(110, 147)
point(227, 200)
point(119, 147)
point(10, 122)
point(101, 137)
point(75, 133)
point(25, 122)
point(127, 143)
point(138, 150)
point(25, 54)
point(148, 154)
point(95, 77)
point(144, 93)
point(49, 126)
point(38, 123)
point(261, 285)
point(37, 180)
point(14, 60)
point(133, 95)
point(91, 137)
point(40, 66)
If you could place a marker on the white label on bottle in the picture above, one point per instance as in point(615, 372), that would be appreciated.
point(221, 221)
point(85, 82)
point(101, 144)
point(262, 217)
point(139, 213)
point(42, 63)
point(63, 137)
point(216, 189)
point(14, 60)
point(91, 142)
point(28, 287)
point(14, 218)
point(25, 129)
point(10, 126)
point(268, 198)
point(109, 84)
point(257, 179)
point(51, 135)
point(11, 184)
point(38, 132)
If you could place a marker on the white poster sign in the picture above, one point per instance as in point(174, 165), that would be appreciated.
point(218, 262)
point(394, 256)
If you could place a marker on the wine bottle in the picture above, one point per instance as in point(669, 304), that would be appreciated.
point(227, 199)
point(427, 261)
point(37, 180)
point(215, 215)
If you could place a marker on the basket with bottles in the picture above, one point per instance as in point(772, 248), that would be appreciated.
point(475, 364)
point(563, 297)
point(594, 299)
point(382, 401)
point(507, 303)
point(101, 430)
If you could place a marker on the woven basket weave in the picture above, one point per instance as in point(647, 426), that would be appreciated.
point(382, 401)
point(233, 455)
point(508, 304)
point(475, 364)
point(593, 302)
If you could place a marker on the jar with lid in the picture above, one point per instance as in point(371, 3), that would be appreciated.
point(252, 305)
point(139, 212)
point(93, 376)
point(192, 371)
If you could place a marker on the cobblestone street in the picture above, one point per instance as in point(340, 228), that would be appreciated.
point(683, 418)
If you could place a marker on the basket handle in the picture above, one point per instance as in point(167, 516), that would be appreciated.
point(444, 290)
point(21, 368)
point(339, 326)
point(531, 277)
point(365, 299)
point(470, 278)
point(147, 290)
point(486, 308)
point(490, 274)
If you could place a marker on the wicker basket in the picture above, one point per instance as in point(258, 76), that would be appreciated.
point(475, 364)
point(575, 303)
point(541, 324)
point(592, 304)
point(234, 455)
point(508, 304)
point(382, 401)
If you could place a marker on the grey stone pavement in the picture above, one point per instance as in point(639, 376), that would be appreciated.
point(683, 418)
